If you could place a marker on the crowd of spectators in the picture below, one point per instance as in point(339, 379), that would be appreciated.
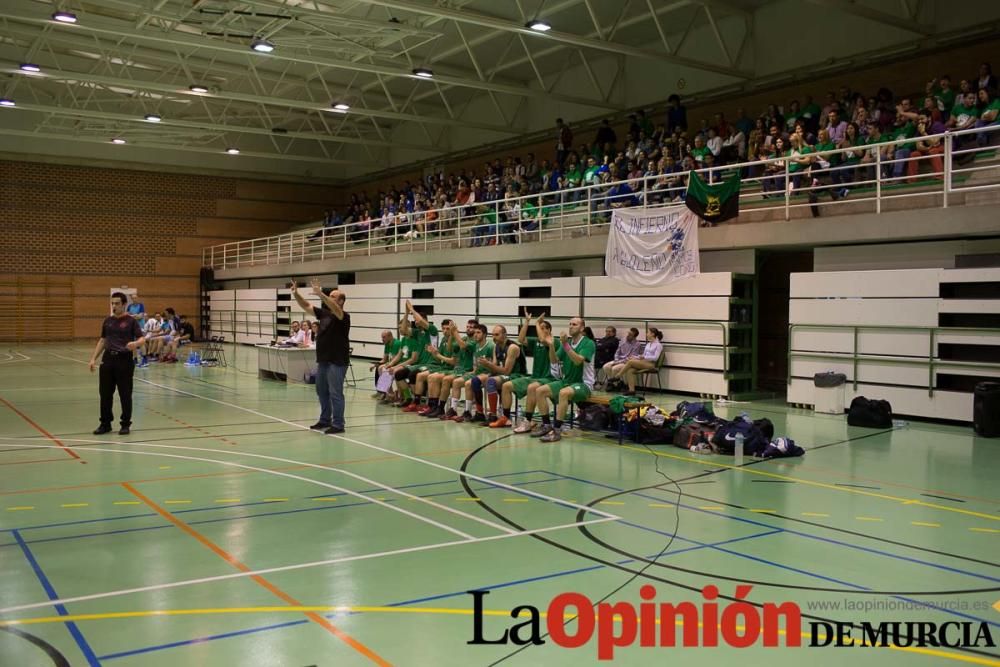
point(786, 146)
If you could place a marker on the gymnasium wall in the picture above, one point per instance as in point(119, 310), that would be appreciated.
point(105, 228)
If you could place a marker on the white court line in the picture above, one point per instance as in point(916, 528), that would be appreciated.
point(319, 466)
point(10, 359)
point(287, 568)
point(484, 480)
point(376, 501)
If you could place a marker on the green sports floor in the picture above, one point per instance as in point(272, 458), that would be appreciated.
point(223, 532)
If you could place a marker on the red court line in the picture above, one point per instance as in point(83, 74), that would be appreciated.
point(239, 565)
point(41, 430)
point(18, 463)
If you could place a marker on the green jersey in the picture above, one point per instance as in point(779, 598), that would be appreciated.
point(962, 114)
point(572, 373)
point(408, 345)
point(390, 349)
point(903, 132)
point(833, 159)
point(449, 348)
point(793, 165)
point(486, 350)
point(422, 338)
point(465, 357)
point(541, 366)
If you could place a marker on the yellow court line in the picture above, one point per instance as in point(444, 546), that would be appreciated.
point(985, 530)
point(20, 508)
point(925, 523)
point(815, 514)
point(325, 500)
point(165, 467)
point(868, 518)
point(712, 507)
point(127, 502)
point(401, 610)
point(611, 502)
point(275, 500)
point(661, 505)
point(808, 482)
point(176, 502)
point(228, 500)
point(468, 500)
point(75, 505)
point(765, 511)
point(515, 500)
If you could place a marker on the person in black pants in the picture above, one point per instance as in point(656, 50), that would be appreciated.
point(120, 335)
point(333, 354)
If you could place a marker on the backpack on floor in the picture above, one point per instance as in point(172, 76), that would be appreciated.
point(688, 435)
point(870, 413)
point(594, 417)
point(724, 440)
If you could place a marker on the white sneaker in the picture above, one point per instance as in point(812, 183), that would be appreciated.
point(524, 426)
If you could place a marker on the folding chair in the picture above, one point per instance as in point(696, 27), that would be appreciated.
point(214, 352)
point(654, 371)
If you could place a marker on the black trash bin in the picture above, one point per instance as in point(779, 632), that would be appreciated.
point(986, 409)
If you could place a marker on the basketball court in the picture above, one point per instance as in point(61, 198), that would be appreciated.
point(223, 531)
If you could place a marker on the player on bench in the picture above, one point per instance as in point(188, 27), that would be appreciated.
point(575, 355)
point(507, 361)
point(541, 372)
point(445, 357)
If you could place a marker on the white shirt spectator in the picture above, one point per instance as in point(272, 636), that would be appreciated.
point(152, 326)
point(652, 350)
point(715, 145)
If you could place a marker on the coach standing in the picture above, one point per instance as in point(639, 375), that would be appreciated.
point(120, 335)
point(333, 351)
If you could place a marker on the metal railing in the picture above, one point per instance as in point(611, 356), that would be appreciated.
point(873, 174)
point(856, 357)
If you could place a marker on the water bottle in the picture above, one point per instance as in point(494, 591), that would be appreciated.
point(519, 416)
point(738, 454)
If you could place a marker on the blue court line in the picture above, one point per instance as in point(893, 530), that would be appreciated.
point(808, 535)
point(88, 653)
point(414, 601)
point(221, 507)
point(267, 514)
point(790, 531)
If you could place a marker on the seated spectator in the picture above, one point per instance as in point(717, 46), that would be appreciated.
point(650, 355)
point(845, 174)
point(699, 150)
point(926, 146)
point(185, 336)
point(988, 111)
point(606, 347)
point(296, 336)
point(987, 81)
point(630, 348)
point(800, 161)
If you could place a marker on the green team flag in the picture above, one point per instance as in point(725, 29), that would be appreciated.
point(714, 203)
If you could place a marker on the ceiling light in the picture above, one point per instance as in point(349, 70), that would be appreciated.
point(341, 107)
point(28, 67)
point(64, 17)
point(152, 118)
point(198, 89)
point(118, 140)
point(4, 102)
point(233, 151)
point(262, 46)
point(539, 26)
point(422, 72)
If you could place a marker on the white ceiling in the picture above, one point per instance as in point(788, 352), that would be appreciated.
point(494, 79)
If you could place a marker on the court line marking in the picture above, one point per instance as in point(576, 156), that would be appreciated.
point(319, 466)
point(296, 566)
point(809, 482)
point(41, 430)
point(173, 478)
point(11, 360)
point(384, 450)
point(327, 485)
point(260, 581)
point(434, 611)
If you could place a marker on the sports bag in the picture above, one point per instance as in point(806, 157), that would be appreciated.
point(870, 413)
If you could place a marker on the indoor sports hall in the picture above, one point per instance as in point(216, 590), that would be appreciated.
point(404, 332)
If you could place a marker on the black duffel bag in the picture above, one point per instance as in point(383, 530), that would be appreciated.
point(870, 413)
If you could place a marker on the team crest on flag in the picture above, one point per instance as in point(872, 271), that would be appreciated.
point(714, 203)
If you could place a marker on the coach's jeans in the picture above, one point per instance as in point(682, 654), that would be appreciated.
point(330, 390)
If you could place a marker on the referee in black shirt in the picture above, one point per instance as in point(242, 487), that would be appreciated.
point(333, 354)
point(120, 335)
